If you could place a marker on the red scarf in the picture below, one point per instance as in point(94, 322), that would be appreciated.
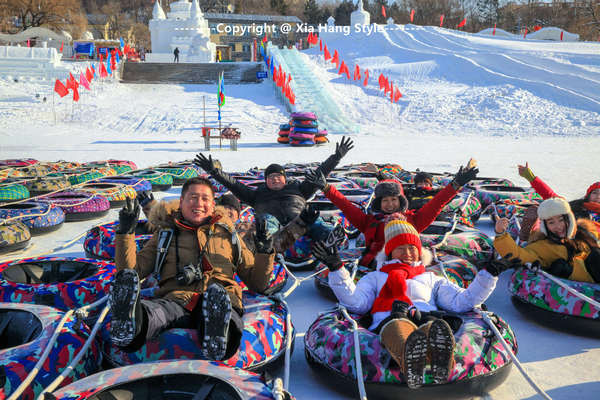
point(395, 286)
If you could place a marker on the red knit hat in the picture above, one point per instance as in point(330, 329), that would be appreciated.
point(399, 232)
point(592, 187)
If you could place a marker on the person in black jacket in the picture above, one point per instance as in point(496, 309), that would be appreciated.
point(278, 200)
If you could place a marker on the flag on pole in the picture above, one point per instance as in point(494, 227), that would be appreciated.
point(221, 93)
point(61, 46)
point(383, 11)
point(441, 20)
point(494, 32)
point(412, 15)
point(122, 42)
point(366, 78)
point(83, 81)
point(462, 23)
point(60, 88)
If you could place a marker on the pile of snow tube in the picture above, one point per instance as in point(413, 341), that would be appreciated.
point(493, 193)
point(13, 191)
point(321, 136)
point(79, 206)
point(180, 172)
point(138, 184)
point(99, 241)
point(25, 331)
point(264, 339)
point(304, 127)
point(481, 361)
point(548, 303)
point(468, 243)
point(40, 217)
point(14, 235)
point(61, 282)
point(160, 181)
point(364, 179)
point(284, 134)
point(165, 378)
point(116, 193)
point(47, 184)
point(18, 162)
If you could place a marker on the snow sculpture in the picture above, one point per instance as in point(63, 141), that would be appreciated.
point(360, 16)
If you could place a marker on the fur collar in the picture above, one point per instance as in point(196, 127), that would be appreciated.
point(164, 214)
point(585, 225)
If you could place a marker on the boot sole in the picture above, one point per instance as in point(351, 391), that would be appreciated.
point(124, 293)
point(216, 309)
point(441, 347)
point(415, 358)
point(336, 237)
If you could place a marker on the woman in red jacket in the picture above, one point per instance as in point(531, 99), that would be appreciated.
point(389, 203)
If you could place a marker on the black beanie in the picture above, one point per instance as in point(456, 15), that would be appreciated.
point(274, 168)
point(230, 201)
point(423, 177)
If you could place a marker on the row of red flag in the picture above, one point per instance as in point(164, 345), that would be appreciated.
point(71, 83)
point(412, 17)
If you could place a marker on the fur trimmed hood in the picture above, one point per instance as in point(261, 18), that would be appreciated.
point(164, 214)
point(584, 226)
point(426, 258)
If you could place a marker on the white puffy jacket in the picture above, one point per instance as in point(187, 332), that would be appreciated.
point(427, 291)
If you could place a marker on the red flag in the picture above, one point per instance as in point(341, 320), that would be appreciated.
point(356, 72)
point(336, 59)
point(412, 15)
point(83, 81)
point(387, 84)
point(381, 81)
point(383, 11)
point(28, 43)
point(462, 23)
point(265, 38)
point(494, 32)
point(103, 71)
point(397, 95)
point(89, 75)
point(61, 46)
point(60, 88)
point(525, 35)
point(75, 94)
point(392, 92)
point(320, 45)
point(309, 39)
point(537, 28)
point(344, 70)
point(366, 78)
point(100, 57)
point(73, 81)
point(441, 20)
point(326, 55)
point(561, 35)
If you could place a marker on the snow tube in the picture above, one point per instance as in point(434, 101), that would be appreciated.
point(303, 116)
point(284, 133)
point(488, 194)
point(79, 206)
point(25, 330)
point(18, 162)
point(48, 216)
point(138, 184)
point(302, 143)
point(13, 236)
point(47, 184)
point(367, 180)
point(321, 132)
point(120, 166)
point(509, 208)
point(13, 191)
point(304, 123)
point(551, 305)
point(464, 242)
point(61, 282)
point(180, 172)
point(276, 282)
point(166, 378)
point(458, 270)
point(481, 361)
point(160, 181)
point(30, 171)
point(471, 210)
point(99, 241)
point(116, 193)
point(321, 140)
point(301, 136)
point(283, 140)
point(304, 129)
point(284, 127)
point(83, 175)
point(264, 339)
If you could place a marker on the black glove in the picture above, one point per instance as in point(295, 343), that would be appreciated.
point(206, 164)
point(145, 197)
point(464, 176)
point(263, 240)
point(343, 147)
point(561, 268)
point(327, 255)
point(592, 264)
point(309, 215)
point(316, 178)
point(496, 267)
point(128, 216)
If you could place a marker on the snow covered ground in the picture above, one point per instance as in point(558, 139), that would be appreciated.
point(500, 101)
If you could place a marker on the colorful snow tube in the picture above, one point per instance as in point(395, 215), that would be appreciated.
point(47, 184)
point(471, 210)
point(61, 282)
point(83, 175)
point(457, 270)
point(13, 191)
point(367, 180)
point(509, 208)
point(321, 140)
point(30, 171)
point(138, 184)
point(303, 116)
point(481, 361)
point(297, 130)
point(548, 303)
point(185, 378)
point(302, 143)
point(283, 140)
point(79, 206)
point(277, 280)
point(116, 193)
point(26, 330)
point(14, 236)
point(120, 166)
point(160, 181)
point(464, 242)
point(18, 162)
point(302, 136)
point(180, 172)
point(40, 217)
point(264, 339)
point(488, 194)
point(304, 123)
point(99, 241)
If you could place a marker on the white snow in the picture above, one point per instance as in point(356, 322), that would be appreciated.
point(502, 101)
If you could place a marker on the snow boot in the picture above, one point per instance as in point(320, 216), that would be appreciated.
point(441, 350)
point(125, 307)
point(393, 336)
point(216, 310)
point(415, 359)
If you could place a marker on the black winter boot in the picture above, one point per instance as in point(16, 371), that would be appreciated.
point(216, 310)
point(441, 350)
point(415, 358)
point(125, 308)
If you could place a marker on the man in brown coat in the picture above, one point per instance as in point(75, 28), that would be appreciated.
point(194, 268)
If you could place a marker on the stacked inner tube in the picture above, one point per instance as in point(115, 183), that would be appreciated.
point(26, 332)
point(321, 136)
point(14, 235)
point(284, 134)
point(40, 217)
point(79, 206)
point(160, 181)
point(304, 127)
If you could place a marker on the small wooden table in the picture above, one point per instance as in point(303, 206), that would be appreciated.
point(229, 133)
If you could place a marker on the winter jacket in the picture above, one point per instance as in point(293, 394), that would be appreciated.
point(371, 225)
point(542, 249)
point(284, 204)
point(224, 251)
point(427, 292)
point(418, 197)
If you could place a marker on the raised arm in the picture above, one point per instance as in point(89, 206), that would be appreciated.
point(241, 191)
point(540, 186)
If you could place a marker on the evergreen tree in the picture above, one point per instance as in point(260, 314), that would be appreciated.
point(487, 11)
point(279, 6)
point(312, 13)
point(343, 11)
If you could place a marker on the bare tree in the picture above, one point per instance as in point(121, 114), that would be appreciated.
point(50, 13)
